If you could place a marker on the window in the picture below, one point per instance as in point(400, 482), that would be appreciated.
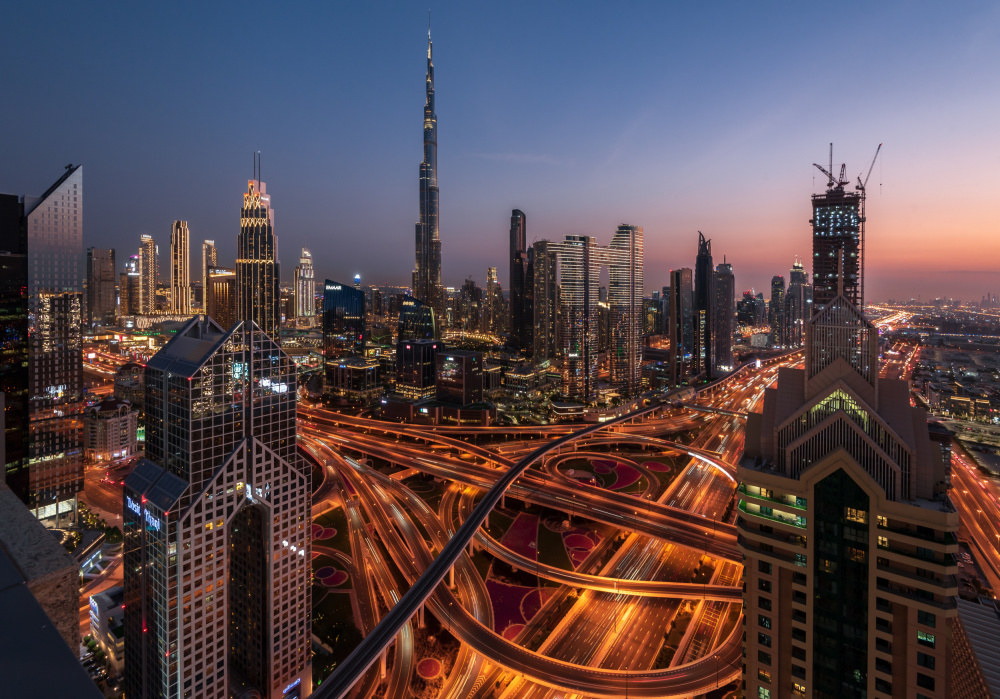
point(763, 657)
point(764, 567)
point(926, 618)
point(764, 585)
point(764, 676)
point(925, 639)
point(852, 514)
point(883, 543)
point(924, 660)
point(764, 640)
point(764, 603)
point(925, 681)
point(764, 621)
point(799, 690)
point(763, 693)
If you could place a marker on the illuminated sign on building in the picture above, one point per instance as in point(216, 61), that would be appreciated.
point(333, 287)
point(152, 521)
point(133, 505)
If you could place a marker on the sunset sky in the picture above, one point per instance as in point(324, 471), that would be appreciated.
point(677, 117)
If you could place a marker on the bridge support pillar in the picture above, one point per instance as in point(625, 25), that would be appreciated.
point(381, 663)
point(503, 498)
point(420, 617)
point(451, 576)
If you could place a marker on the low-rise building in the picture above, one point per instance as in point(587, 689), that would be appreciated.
point(129, 384)
point(107, 611)
point(355, 379)
point(416, 367)
point(110, 430)
point(459, 377)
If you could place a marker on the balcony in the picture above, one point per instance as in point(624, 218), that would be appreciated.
point(798, 521)
point(784, 503)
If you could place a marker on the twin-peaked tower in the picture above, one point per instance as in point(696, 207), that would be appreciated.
point(427, 272)
point(847, 534)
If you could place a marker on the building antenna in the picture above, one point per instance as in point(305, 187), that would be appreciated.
point(428, 24)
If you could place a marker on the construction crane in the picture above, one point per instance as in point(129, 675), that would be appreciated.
point(833, 182)
point(861, 187)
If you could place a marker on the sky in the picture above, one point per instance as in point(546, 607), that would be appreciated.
point(677, 117)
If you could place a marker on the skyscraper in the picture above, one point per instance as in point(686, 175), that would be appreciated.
point(131, 287)
point(798, 305)
point(221, 297)
point(776, 311)
point(579, 283)
point(343, 321)
point(680, 330)
point(101, 299)
point(148, 254)
point(216, 524)
point(725, 318)
point(624, 258)
point(521, 284)
point(837, 251)
point(427, 273)
point(180, 269)
point(704, 297)
point(545, 335)
point(41, 248)
point(305, 287)
point(257, 270)
point(845, 527)
point(493, 320)
point(209, 258)
point(416, 320)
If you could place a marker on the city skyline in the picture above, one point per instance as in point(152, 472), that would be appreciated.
point(662, 167)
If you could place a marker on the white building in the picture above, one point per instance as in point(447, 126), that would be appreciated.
point(107, 609)
point(110, 430)
point(305, 288)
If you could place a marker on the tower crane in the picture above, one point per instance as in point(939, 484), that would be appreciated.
point(833, 182)
point(861, 187)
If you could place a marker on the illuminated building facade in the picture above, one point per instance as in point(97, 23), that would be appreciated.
point(837, 251)
point(305, 287)
point(776, 311)
point(130, 288)
point(221, 295)
point(847, 534)
point(180, 269)
point(580, 260)
point(110, 430)
point(725, 315)
point(427, 272)
point(216, 521)
point(344, 325)
point(257, 270)
point(209, 258)
point(798, 305)
point(459, 376)
point(41, 250)
point(416, 367)
point(545, 304)
point(148, 261)
point(101, 297)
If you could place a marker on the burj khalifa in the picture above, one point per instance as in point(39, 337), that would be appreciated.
point(427, 272)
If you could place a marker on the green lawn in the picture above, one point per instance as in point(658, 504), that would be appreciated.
point(335, 519)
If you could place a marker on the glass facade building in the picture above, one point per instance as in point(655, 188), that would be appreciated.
point(180, 269)
point(343, 325)
point(216, 524)
point(725, 315)
point(417, 320)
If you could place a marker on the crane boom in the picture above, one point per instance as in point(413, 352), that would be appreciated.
point(862, 185)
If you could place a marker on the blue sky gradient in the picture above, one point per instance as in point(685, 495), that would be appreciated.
point(675, 116)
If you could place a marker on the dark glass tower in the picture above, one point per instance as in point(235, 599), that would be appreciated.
point(521, 284)
point(680, 327)
point(427, 273)
point(725, 319)
point(14, 333)
point(101, 301)
point(704, 297)
point(416, 320)
point(343, 321)
point(257, 271)
point(776, 310)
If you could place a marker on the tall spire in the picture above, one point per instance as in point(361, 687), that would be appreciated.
point(427, 270)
